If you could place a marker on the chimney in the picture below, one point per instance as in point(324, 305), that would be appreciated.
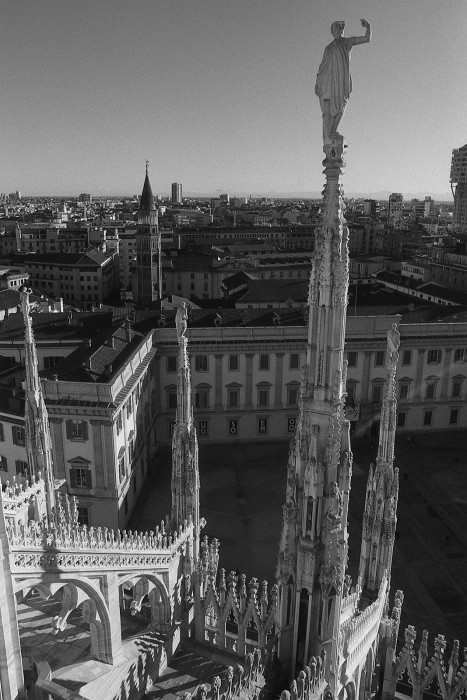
point(108, 371)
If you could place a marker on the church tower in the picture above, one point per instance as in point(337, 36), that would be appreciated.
point(38, 440)
point(313, 545)
point(185, 473)
point(147, 280)
point(380, 515)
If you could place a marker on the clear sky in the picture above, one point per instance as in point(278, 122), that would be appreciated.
point(219, 95)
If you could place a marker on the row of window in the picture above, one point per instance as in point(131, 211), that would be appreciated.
point(404, 389)
point(434, 357)
point(202, 362)
point(263, 396)
point(428, 418)
point(233, 427)
point(18, 435)
point(22, 468)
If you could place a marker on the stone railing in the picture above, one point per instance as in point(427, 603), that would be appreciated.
point(17, 495)
point(413, 672)
point(36, 546)
point(358, 632)
point(231, 615)
point(310, 683)
point(239, 683)
point(350, 602)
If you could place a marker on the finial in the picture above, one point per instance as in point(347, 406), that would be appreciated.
point(147, 166)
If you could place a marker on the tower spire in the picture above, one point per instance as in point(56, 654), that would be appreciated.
point(185, 473)
point(38, 440)
point(313, 547)
point(147, 278)
point(380, 514)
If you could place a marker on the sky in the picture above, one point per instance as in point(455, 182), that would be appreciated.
point(219, 95)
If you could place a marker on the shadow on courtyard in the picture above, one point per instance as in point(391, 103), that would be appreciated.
point(242, 493)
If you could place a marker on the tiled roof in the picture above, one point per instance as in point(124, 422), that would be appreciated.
point(60, 326)
point(97, 363)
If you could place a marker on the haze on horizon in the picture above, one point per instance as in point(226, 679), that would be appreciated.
point(220, 96)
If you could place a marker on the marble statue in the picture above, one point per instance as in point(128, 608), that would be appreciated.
point(333, 82)
point(181, 320)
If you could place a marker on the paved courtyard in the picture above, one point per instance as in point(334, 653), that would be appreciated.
point(242, 492)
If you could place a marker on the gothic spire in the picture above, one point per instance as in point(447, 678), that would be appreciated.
point(380, 514)
point(38, 440)
point(185, 473)
point(313, 547)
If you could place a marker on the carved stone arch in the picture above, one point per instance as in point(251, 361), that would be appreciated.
point(350, 693)
point(366, 674)
point(152, 586)
point(80, 591)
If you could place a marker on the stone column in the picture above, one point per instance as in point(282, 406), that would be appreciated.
point(218, 384)
point(58, 447)
point(445, 380)
point(112, 654)
point(419, 374)
point(278, 380)
point(97, 441)
point(365, 375)
point(249, 381)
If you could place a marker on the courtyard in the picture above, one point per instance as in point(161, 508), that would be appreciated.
point(242, 493)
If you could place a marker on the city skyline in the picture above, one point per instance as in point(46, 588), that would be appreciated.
point(220, 97)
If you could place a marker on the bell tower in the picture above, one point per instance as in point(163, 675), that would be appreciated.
point(147, 280)
point(313, 546)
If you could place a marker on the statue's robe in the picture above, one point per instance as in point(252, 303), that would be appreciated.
point(334, 82)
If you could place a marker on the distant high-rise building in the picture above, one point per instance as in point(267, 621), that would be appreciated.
point(176, 193)
point(85, 197)
point(459, 186)
point(369, 207)
point(395, 206)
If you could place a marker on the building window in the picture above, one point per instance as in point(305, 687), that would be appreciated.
point(202, 398)
point(51, 361)
point(233, 363)
point(131, 449)
point(119, 422)
point(456, 388)
point(294, 360)
point(352, 359)
point(376, 393)
point(129, 407)
point(77, 429)
point(264, 362)
point(459, 355)
point(434, 357)
point(18, 435)
point(22, 468)
point(80, 478)
point(379, 358)
point(233, 398)
point(404, 392)
point(201, 363)
point(121, 467)
point(407, 358)
point(263, 396)
point(428, 418)
point(3, 463)
point(401, 419)
point(430, 390)
point(454, 416)
point(171, 396)
point(171, 364)
point(292, 395)
point(2, 434)
point(83, 516)
point(262, 426)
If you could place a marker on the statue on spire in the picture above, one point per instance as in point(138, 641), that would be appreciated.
point(334, 82)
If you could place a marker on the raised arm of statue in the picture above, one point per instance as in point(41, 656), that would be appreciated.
point(333, 82)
